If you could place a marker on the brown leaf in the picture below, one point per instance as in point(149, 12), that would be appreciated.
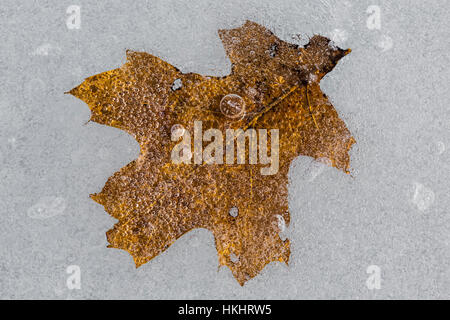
point(273, 85)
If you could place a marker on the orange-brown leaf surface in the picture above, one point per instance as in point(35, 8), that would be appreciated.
point(275, 85)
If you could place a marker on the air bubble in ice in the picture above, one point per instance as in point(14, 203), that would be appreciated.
point(232, 106)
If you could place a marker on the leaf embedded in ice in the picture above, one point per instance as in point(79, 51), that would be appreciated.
point(273, 85)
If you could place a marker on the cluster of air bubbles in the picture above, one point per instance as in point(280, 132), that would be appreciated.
point(47, 207)
point(423, 196)
point(339, 36)
point(385, 43)
point(438, 148)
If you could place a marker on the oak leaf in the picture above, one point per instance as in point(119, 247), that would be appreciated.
point(275, 85)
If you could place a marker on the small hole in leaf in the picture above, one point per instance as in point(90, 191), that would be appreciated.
point(234, 258)
point(234, 212)
point(273, 50)
point(177, 84)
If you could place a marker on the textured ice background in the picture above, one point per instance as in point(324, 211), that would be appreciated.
point(392, 212)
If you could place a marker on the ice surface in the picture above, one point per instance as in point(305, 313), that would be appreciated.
point(392, 211)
